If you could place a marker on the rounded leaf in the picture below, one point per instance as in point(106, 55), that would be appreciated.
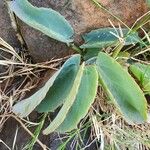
point(122, 89)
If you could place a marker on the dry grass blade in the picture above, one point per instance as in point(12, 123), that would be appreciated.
point(20, 77)
point(5, 144)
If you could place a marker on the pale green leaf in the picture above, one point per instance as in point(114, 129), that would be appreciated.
point(107, 36)
point(45, 20)
point(61, 87)
point(84, 99)
point(67, 104)
point(26, 106)
point(142, 73)
point(122, 89)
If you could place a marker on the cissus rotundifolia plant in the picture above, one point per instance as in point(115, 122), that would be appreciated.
point(82, 78)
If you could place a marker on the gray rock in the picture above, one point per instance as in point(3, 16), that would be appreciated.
point(41, 47)
point(7, 33)
point(6, 30)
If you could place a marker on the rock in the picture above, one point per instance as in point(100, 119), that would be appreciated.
point(91, 16)
point(41, 47)
point(7, 33)
point(84, 16)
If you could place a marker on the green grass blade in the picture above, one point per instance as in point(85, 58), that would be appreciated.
point(37, 131)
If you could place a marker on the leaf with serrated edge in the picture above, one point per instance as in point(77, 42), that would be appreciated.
point(57, 93)
point(45, 20)
point(122, 89)
point(67, 104)
point(26, 106)
point(84, 99)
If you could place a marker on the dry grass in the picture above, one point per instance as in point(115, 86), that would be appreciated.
point(19, 77)
point(114, 132)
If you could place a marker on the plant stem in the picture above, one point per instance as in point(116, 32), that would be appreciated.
point(117, 49)
point(36, 133)
point(76, 48)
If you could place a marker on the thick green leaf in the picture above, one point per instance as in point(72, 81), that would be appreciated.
point(26, 106)
point(67, 104)
point(122, 89)
point(106, 36)
point(90, 53)
point(61, 87)
point(142, 73)
point(84, 99)
point(45, 20)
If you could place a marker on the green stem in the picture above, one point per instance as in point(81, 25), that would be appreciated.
point(36, 133)
point(117, 49)
point(76, 48)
